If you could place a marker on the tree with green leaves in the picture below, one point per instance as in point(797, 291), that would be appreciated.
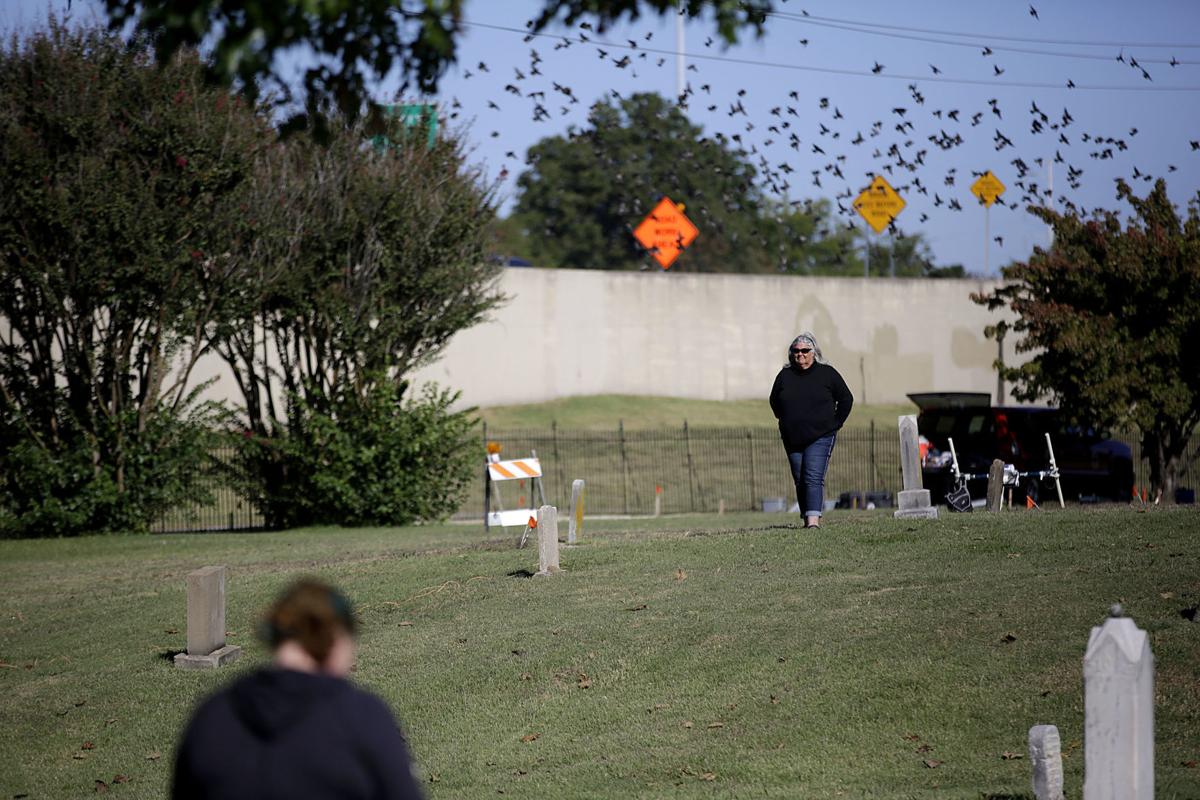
point(120, 182)
point(368, 259)
point(1112, 314)
point(807, 241)
point(357, 42)
point(148, 219)
point(585, 192)
point(907, 256)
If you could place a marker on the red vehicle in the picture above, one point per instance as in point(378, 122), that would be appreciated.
point(1092, 466)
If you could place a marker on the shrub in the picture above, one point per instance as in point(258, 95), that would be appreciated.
point(119, 479)
point(121, 184)
point(366, 460)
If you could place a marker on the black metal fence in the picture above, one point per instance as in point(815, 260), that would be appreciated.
point(216, 506)
point(690, 469)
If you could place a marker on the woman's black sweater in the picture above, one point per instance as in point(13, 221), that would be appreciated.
point(809, 404)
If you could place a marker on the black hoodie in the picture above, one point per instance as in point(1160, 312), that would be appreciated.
point(285, 734)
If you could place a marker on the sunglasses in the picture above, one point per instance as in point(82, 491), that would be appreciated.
point(801, 351)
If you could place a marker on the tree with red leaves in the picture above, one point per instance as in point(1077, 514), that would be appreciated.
point(1112, 316)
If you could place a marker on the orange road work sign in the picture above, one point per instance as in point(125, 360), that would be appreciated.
point(665, 232)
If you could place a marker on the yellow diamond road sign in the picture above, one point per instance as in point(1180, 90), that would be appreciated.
point(987, 188)
point(879, 204)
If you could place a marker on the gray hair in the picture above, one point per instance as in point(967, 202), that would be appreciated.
point(809, 339)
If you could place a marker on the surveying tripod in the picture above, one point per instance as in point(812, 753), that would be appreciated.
point(1012, 476)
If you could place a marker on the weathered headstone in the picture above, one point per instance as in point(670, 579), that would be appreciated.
point(575, 521)
point(995, 490)
point(913, 498)
point(206, 646)
point(547, 528)
point(1118, 712)
point(1045, 755)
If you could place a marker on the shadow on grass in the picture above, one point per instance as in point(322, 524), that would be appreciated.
point(1022, 796)
point(169, 654)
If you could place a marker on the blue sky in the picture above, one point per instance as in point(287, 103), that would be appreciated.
point(1152, 121)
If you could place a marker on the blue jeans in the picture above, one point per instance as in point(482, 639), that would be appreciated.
point(808, 471)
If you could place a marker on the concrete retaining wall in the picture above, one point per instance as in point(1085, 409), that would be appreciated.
point(716, 337)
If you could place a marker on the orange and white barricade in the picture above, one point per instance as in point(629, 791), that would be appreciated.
point(518, 469)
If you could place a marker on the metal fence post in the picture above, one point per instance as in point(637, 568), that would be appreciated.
point(753, 471)
point(687, 438)
point(871, 477)
point(560, 478)
point(624, 464)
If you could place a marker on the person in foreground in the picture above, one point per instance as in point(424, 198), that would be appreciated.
point(811, 402)
point(298, 728)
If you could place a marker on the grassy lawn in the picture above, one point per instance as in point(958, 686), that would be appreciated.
point(603, 412)
point(684, 656)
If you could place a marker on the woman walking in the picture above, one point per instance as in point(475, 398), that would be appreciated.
point(811, 402)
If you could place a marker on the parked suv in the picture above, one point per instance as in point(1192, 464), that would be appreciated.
point(1091, 465)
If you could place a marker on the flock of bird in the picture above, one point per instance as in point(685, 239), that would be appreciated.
point(903, 143)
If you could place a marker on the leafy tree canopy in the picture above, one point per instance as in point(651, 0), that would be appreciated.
point(906, 256)
point(149, 218)
point(355, 42)
point(368, 258)
point(584, 194)
point(1112, 314)
point(121, 181)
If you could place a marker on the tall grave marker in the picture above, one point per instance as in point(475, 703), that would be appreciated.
point(1118, 712)
point(913, 498)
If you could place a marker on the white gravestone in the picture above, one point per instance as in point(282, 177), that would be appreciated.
point(575, 521)
point(547, 528)
point(1045, 755)
point(1118, 712)
point(206, 646)
point(913, 498)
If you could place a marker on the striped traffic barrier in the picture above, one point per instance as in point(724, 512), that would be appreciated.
point(517, 469)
